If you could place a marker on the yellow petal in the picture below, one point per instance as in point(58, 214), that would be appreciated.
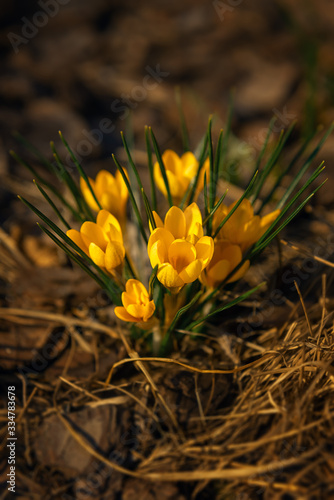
point(122, 313)
point(87, 193)
point(181, 253)
point(136, 310)
point(172, 161)
point(158, 253)
point(92, 233)
point(97, 255)
point(175, 222)
point(267, 220)
point(160, 234)
point(158, 220)
point(169, 277)
point(189, 165)
point(177, 185)
point(76, 237)
point(105, 181)
point(204, 250)
point(224, 250)
point(123, 190)
point(193, 218)
point(149, 310)
point(159, 179)
point(114, 257)
point(217, 273)
point(135, 289)
point(104, 219)
point(191, 272)
point(240, 272)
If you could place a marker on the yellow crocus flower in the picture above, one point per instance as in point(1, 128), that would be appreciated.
point(179, 248)
point(226, 257)
point(102, 241)
point(137, 306)
point(110, 191)
point(180, 172)
point(243, 228)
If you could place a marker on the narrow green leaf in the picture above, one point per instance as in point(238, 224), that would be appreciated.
point(151, 169)
point(287, 220)
point(132, 198)
point(79, 168)
point(225, 307)
point(305, 167)
point(191, 191)
point(265, 144)
point(148, 210)
point(71, 254)
point(247, 191)
point(285, 172)
point(152, 280)
point(46, 184)
point(206, 205)
point(215, 208)
point(64, 237)
point(72, 186)
point(53, 206)
point(131, 162)
point(271, 162)
point(162, 167)
point(289, 205)
point(182, 311)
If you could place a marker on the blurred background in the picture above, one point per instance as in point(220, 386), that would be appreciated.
point(92, 69)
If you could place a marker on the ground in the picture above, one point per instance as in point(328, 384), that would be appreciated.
point(184, 429)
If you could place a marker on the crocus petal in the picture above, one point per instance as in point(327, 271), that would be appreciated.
point(240, 272)
point(204, 249)
point(172, 161)
point(122, 313)
point(159, 179)
point(76, 237)
point(224, 250)
point(189, 165)
point(157, 219)
point(135, 288)
point(180, 254)
point(136, 310)
point(87, 193)
point(169, 277)
point(104, 219)
point(177, 185)
point(97, 255)
point(160, 234)
point(193, 218)
point(114, 255)
point(175, 222)
point(92, 233)
point(267, 220)
point(158, 253)
point(217, 273)
point(149, 310)
point(103, 181)
point(191, 272)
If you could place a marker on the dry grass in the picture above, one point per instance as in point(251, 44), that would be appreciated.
point(236, 418)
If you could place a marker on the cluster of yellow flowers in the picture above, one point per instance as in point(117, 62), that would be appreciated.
point(177, 245)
